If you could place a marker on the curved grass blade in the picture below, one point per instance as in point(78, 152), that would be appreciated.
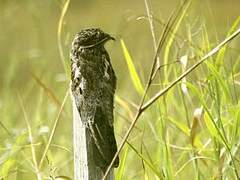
point(132, 70)
point(172, 35)
point(59, 34)
point(221, 53)
point(150, 165)
point(121, 168)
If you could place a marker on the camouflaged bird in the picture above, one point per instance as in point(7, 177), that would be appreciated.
point(93, 86)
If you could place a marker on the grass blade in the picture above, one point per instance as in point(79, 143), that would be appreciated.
point(53, 130)
point(132, 70)
point(31, 140)
point(59, 34)
point(122, 165)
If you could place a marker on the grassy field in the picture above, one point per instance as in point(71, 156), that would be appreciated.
point(190, 131)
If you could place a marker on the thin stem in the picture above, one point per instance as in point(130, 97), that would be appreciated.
point(164, 35)
point(165, 90)
point(209, 54)
point(53, 130)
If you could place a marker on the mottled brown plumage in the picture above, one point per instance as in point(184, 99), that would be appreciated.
point(93, 87)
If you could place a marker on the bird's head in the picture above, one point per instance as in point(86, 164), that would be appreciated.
point(91, 37)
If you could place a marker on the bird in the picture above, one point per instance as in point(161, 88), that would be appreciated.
point(93, 85)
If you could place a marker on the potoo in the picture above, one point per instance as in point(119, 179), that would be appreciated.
point(93, 86)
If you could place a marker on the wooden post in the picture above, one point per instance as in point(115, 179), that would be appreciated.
point(84, 166)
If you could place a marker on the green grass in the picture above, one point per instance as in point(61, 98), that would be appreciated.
point(169, 140)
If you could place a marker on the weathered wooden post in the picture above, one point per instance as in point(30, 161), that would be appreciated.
point(84, 166)
point(92, 90)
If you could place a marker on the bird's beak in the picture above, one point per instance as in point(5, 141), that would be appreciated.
point(109, 37)
point(112, 38)
point(106, 38)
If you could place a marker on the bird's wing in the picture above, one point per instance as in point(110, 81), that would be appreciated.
point(104, 134)
point(85, 93)
point(96, 111)
point(108, 87)
point(103, 119)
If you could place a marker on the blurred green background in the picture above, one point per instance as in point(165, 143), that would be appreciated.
point(32, 73)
